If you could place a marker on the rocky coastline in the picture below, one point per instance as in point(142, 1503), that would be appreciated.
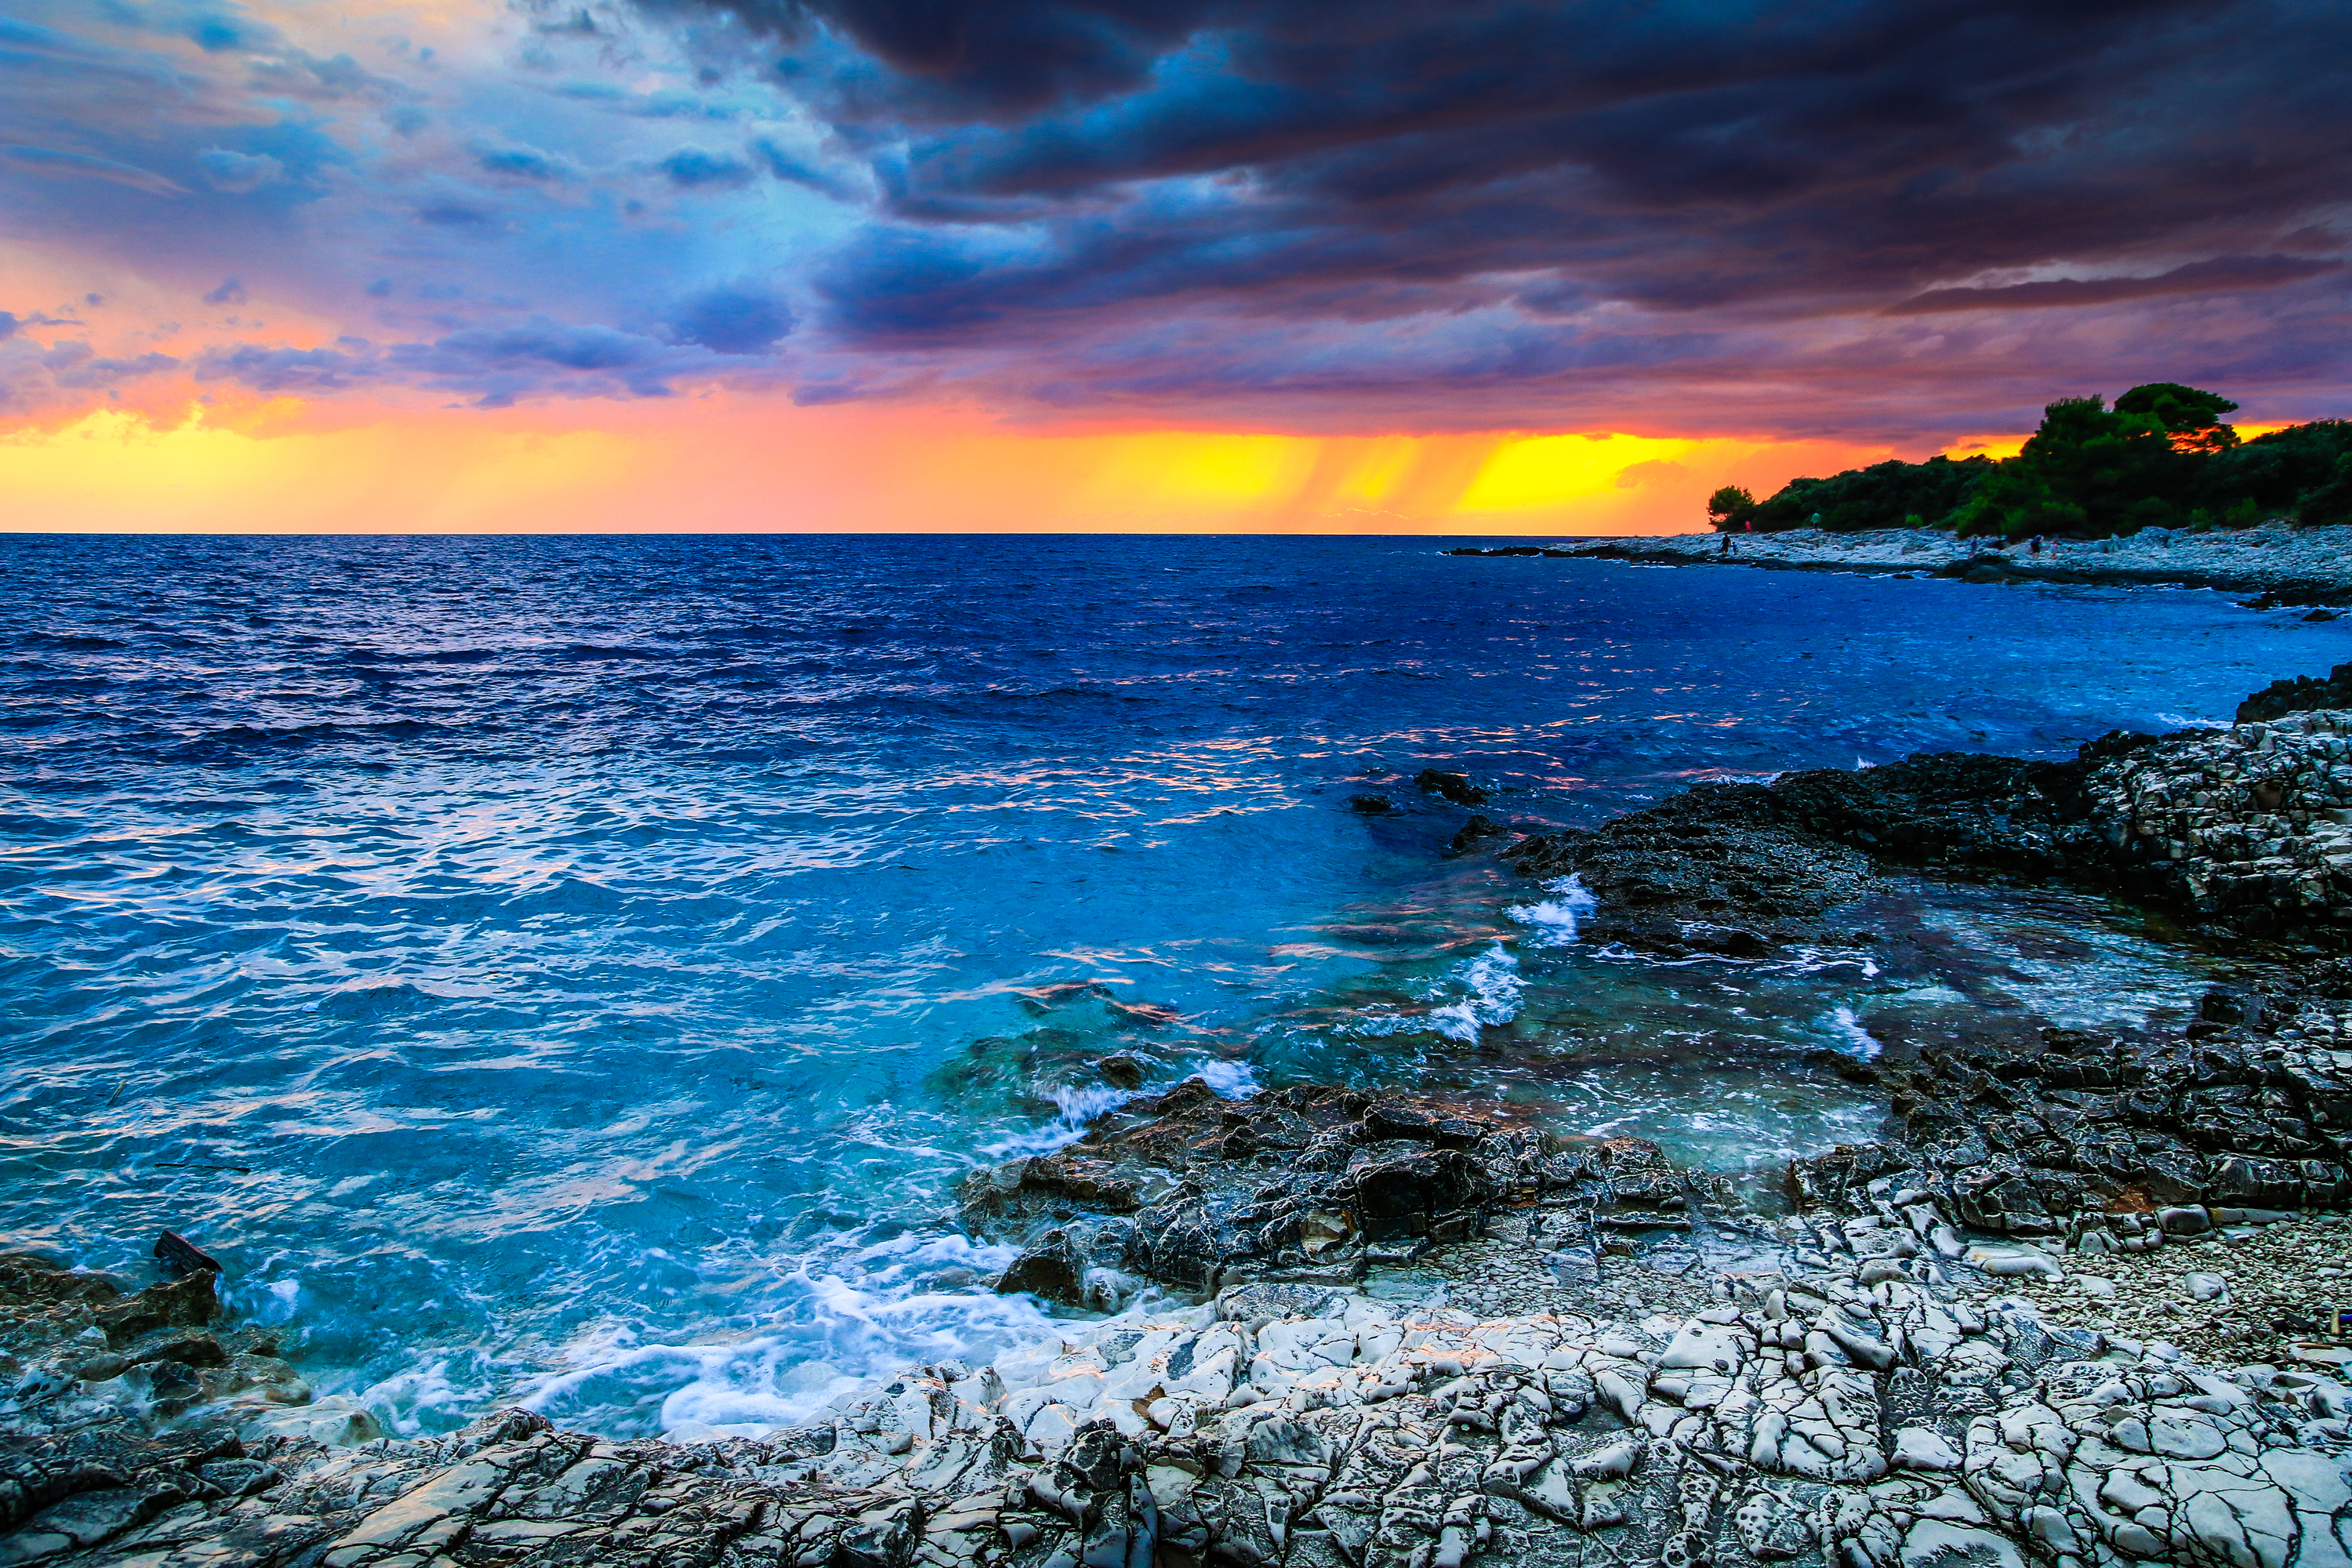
point(2077, 1304)
point(2279, 563)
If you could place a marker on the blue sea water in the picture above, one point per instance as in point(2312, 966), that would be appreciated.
point(581, 970)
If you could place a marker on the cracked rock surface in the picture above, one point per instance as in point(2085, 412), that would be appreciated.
point(1795, 1413)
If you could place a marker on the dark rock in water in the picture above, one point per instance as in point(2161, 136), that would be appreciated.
point(181, 1256)
point(1985, 566)
point(2058, 1135)
point(1455, 787)
point(1045, 999)
point(1718, 857)
point(173, 1387)
point(189, 1347)
point(27, 1279)
point(1953, 808)
point(1370, 804)
point(1729, 942)
point(1121, 1071)
point(1478, 830)
point(2227, 1004)
point(1738, 869)
point(1049, 1268)
point(1394, 1120)
point(1294, 1185)
point(2300, 695)
point(191, 1303)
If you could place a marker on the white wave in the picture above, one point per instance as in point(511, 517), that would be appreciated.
point(1231, 1080)
point(407, 1402)
point(266, 1300)
point(838, 1335)
point(1075, 1107)
point(1066, 1129)
point(1555, 918)
point(2192, 722)
point(1856, 1040)
point(1481, 991)
point(1495, 988)
point(1809, 960)
point(1078, 1105)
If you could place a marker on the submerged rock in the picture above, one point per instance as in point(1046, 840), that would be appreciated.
point(1122, 1072)
point(1474, 833)
point(1454, 787)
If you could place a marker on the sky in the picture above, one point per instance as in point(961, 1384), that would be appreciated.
point(1454, 266)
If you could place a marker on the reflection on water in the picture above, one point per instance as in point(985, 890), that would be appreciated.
point(583, 968)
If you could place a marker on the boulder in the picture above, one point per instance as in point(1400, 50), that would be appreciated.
point(1049, 1268)
point(1454, 787)
point(190, 1302)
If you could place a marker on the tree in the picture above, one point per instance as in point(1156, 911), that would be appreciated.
point(2161, 457)
point(2331, 503)
point(1885, 495)
point(1729, 508)
point(2086, 469)
point(2190, 418)
point(2277, 474)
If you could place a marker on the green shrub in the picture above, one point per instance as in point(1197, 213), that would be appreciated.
point(2162, 456)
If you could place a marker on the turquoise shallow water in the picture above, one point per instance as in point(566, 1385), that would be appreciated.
point(580, 970)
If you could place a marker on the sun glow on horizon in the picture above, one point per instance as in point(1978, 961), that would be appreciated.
point(719, 465)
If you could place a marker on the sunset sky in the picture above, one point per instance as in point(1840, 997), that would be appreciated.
point(922, 264)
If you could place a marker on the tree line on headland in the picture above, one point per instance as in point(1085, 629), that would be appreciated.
point(2161, 457)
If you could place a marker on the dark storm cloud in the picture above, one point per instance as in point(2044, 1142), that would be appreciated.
point(1068, 171)
point(1883, 217)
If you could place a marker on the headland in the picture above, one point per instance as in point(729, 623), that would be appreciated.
point(2280, 562)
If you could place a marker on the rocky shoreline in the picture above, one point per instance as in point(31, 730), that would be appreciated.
point(2281, 564)
point(2077, 1305)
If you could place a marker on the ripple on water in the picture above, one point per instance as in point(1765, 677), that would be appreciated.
point(582, 969)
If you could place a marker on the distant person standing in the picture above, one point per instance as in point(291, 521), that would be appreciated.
point(2036, 546)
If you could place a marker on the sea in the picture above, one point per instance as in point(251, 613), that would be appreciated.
point(578, 972)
